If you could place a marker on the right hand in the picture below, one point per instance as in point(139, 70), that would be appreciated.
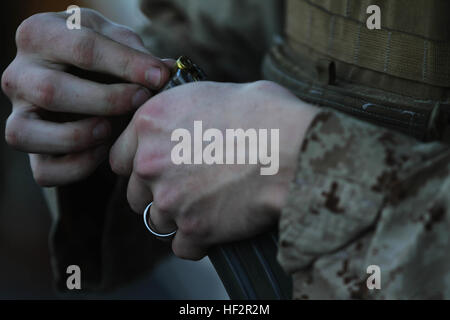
point(40, 86)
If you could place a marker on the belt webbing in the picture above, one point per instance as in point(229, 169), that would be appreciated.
point(388, 51)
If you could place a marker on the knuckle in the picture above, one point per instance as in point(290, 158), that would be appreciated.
point(166, 200)
point(144, 169)
point(150, 164)
point(118, 101)
point(45, 92)
point(128, 37)
point(84, 50)
point(193, 225)
point(145, 121)
point(13, 131)
point(26, 32)
point(125, 66)
point(8, 81)
point(76, 136)
point(76, 139)
point(111, 102)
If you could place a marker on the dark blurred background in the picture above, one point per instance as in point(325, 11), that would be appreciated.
point(24, 218)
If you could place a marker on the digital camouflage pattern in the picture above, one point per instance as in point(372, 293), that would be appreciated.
point(364, 195)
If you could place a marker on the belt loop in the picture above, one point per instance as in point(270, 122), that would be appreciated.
point(436, 124)
point(326, 71)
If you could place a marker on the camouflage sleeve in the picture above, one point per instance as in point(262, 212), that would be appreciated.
point(228, 39)
point(365, 195)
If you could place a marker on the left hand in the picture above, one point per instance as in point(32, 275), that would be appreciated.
point(209, 204)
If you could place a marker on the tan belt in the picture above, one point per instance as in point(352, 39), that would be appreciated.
point(388, 51)
point(389, 77)
point(313, 82)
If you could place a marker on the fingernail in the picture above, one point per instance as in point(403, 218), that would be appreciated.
point(140, 97)
point(101, 131)
point(153, 77)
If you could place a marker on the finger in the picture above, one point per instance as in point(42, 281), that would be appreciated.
point(58, 91)
point(125, 36)
point(90, 50)
point(33, 135)
point(138, 194)
point(170, 63)
point(122, 153)
point(185, 247)
point(117, 32)
point(161, 221)
point(49, 171)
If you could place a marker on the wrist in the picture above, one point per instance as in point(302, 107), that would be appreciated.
point(293, 118)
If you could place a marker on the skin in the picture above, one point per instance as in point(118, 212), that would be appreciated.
point(67, 149)
point(207, 204)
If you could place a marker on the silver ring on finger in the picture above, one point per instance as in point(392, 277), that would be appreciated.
point(147, 218)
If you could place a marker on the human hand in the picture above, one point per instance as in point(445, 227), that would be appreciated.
point(209, 204)
point(48, 99)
